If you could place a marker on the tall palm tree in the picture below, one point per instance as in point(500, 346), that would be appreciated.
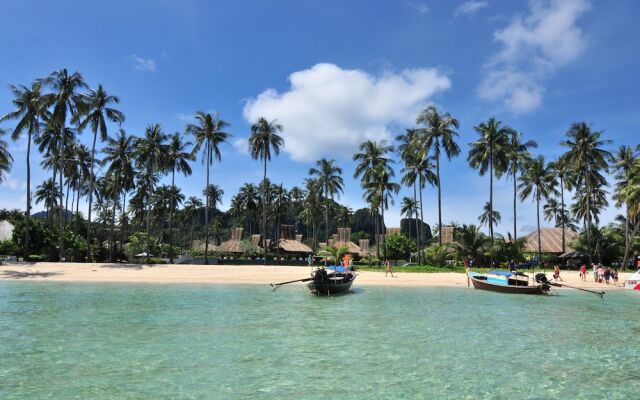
point(328, 175)
point(65, 99)
point(552, 211)
point(370, 156)
point(311, 207)
point(438, 134)
point(30, 108)
point(488, 153)
point(96, 109)
point(408, 208)
point(5, 158)
point(151, 153)
point(191, 207)
point(489, 215)
point(178, 159)
point(537, 180)
point(380, 191)
point(623, 163)
point(120, 161)
point(248, 198)
point(410, 154)
point(263, 140)
point(587, 159)
point(469, 242)
point(629, 193)
point(209, 134)
point(562, 170)
point(48, 193)
point(517, 153)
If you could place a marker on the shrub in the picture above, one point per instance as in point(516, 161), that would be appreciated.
point(399, 247)
point(35, 258)
point(8, 248)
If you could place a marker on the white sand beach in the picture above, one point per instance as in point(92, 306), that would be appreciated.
point(236, 274)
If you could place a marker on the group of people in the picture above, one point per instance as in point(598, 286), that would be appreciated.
point(600, 274)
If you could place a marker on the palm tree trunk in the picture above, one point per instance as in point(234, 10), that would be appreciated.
point(93, 155)
point(62, 219)
point(588, 216)
point(112, 231)
point(439, 200)
point(326, 213)
point(148, 247)
point(172, 206)
point(66, 200)
point(206, 208)
point(422, 215)
point(539, 242)
point(491, 206)
point(383, 229)
point(415, 201)
point(515, 213)
point(78, 211)
point(264, 211)
point(627, 239)
point(26, 251)
point(563, 215)
point(377, 238)
point(53, 199)
point(122, 220)
point(627, 247)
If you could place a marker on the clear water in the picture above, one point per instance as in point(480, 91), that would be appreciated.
point(114, 341)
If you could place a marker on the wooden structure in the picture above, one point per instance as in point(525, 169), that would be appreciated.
point(234, 245)
point(506, 283)
point(550, 240)
point(447, 234)
point(343, 239)
point(290, 243)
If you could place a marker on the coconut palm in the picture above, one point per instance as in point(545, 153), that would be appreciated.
point(629, 193)
point(370, 156)
point(409, 208)
point(96, 110)
point(380, 191)
point(562, 170)
point(517, 153)
point(191, 207)
point(30, 108)
point(623, 163)
point(489, 215)
point(65, 99)
point(537, 180)
point(469, 242)
point(248, 198)
point(213, 193)
point(120, 161)
point(49, 194)
point(328, 175)
point(209, 134)
point(264, 139)
point(410, 154)
point(439, 134)
point(5, 158)
point(178, 159)
point(489, 153)
point(311, 207)
point(151, 151)
point(587, 159)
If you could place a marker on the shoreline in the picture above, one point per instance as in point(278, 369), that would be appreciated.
point(237, 274)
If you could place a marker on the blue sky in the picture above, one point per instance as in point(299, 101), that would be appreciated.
point(335, 73)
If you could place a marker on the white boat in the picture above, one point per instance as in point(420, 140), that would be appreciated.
point(633, 282)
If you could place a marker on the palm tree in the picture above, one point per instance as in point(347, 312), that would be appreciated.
point(119, 158)
point(48, 193)
point(30, 108)
point(489, 215)
point(311, 207)
point(469, 241)
point(439, 133)
point(623, 162)
point(370, 156)
point(408, 209)
point(629, 194)
point(65, 98)
point(209, 135)
point(562, 170)
point(263, 140)
point(248, 198)
point(409, 153)
point(489, 153)
point(517, 153)
point(537, 180)
point(552, 211)
point(5, 158)
point(587, 159)
point(191, 207)
point(328, 175)
point(96, 110)
point(151, 153)
point(379, 191)
point(178, 158)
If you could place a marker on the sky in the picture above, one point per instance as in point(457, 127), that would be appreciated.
point(336, 73)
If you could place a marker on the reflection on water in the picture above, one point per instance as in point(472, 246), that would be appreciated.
point(115, 341)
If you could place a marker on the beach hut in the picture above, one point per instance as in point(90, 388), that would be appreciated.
point(290, 243)
point(234, 245)
point(343, 239)
point(6, 230)
point(551, 241)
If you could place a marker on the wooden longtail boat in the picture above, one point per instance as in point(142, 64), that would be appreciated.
point(506, 282)
point(327, 283)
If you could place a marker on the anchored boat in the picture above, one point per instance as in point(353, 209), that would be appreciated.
point(507, 282)
point(633, 282)
point(337, 279)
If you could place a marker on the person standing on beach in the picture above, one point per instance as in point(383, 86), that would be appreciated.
point(614, 274)
point(595, 272)
point(389, 269)
point(556, 273)
point(583, 272)
point(310, 260)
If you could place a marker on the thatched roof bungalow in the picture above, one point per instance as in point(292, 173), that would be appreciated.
point(343, 239)
point(551, 240)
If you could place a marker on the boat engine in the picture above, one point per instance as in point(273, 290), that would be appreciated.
point(541, 278)
point(320, 276)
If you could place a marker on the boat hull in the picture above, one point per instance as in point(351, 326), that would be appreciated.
point(512, 289)
point(331, 286)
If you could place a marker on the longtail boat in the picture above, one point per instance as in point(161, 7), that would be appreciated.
point(336, 280)
point(507, 282)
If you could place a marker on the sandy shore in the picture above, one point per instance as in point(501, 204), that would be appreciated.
point(233, 274)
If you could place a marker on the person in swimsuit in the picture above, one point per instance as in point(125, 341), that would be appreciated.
point(583, 272)
point(556, 273)
point(388, 269)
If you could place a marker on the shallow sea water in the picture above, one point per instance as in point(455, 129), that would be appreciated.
point(135, 341)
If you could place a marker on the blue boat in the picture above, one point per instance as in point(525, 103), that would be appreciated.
point(506, 282)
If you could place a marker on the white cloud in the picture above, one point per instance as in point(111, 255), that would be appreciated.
point(184, 117)
point(241, 145)
point(328, 111)
point(12, 183)
point(417, 6)
point(532, 48)
point(141, 64)
point(470, 8)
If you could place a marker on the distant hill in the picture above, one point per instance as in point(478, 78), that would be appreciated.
point(44, 214)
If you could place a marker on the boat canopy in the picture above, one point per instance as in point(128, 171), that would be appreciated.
point(337, 268)
point(506, 273)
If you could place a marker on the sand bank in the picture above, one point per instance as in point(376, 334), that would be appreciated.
point(234, 274)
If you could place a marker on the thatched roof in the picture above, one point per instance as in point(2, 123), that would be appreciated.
point(551, 240)
point(293, 246)
point(233, 245)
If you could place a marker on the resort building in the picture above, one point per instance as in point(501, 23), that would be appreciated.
point(234, 245)
point(291, 243)
point(343, 239)
point(551, 241)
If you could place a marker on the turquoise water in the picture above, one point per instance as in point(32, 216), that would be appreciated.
point(115, 341)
